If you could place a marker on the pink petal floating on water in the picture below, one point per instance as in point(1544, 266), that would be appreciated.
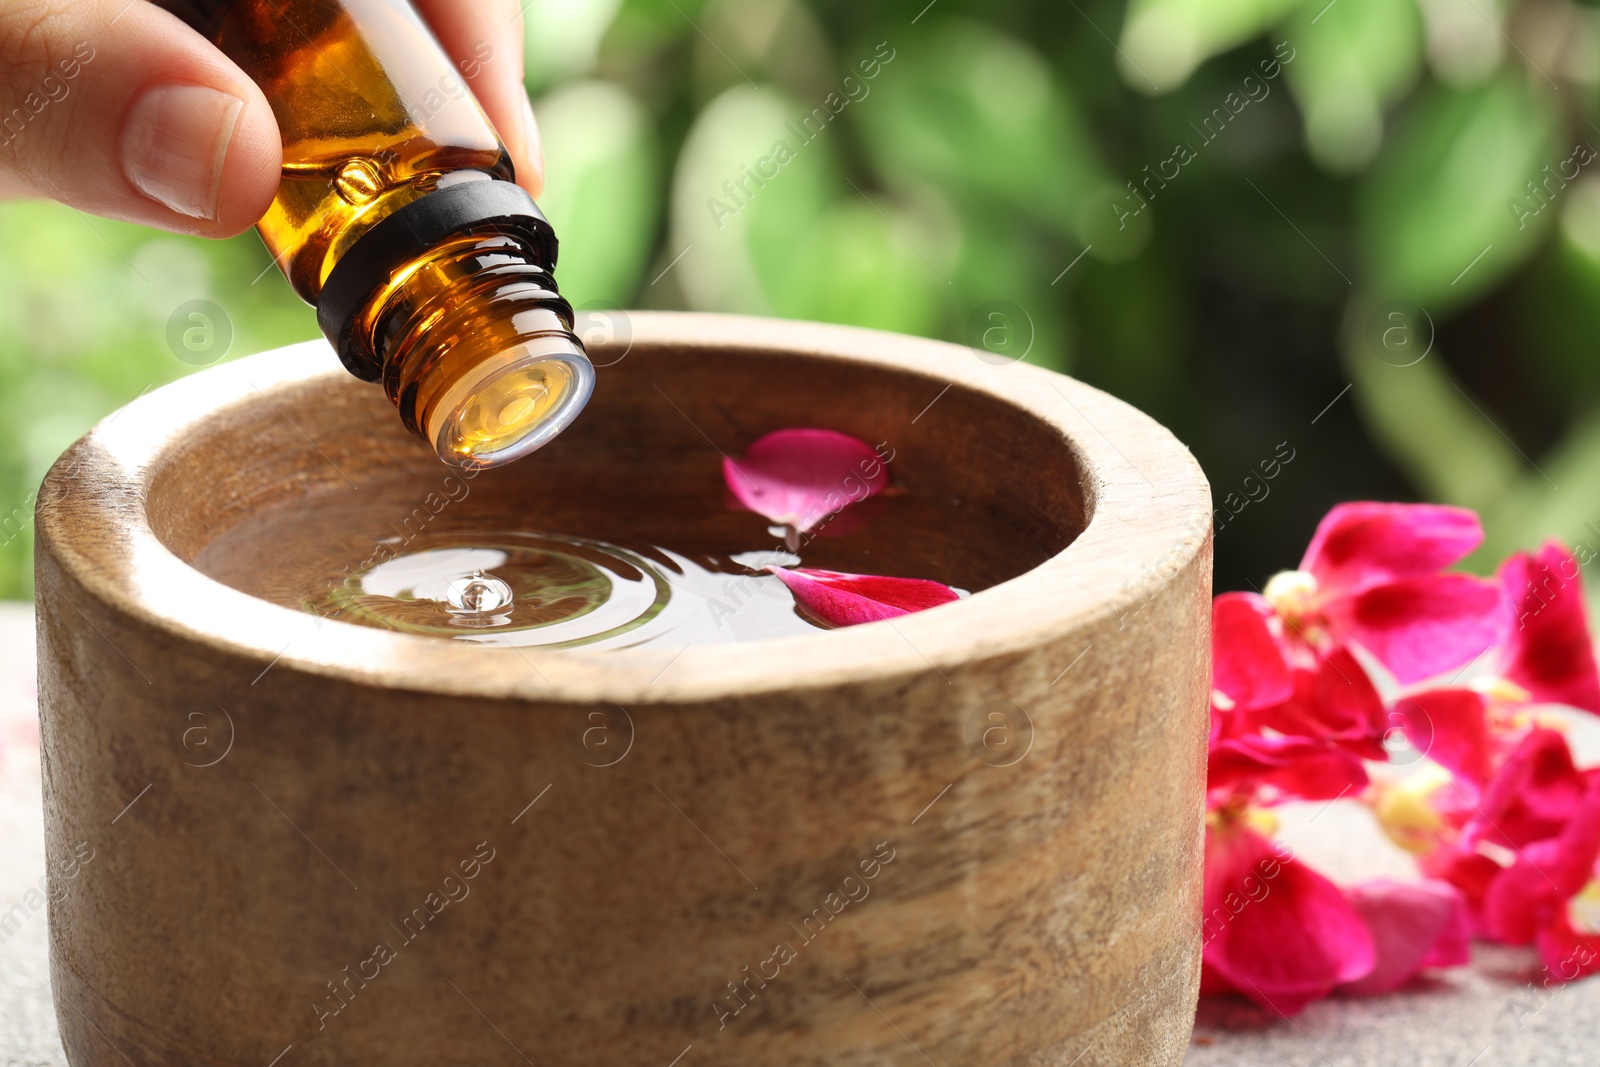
point(800, 477)
point(840, 599)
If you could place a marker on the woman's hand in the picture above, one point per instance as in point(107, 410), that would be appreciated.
point(117, 108)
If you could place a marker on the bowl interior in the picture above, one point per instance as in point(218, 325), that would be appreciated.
point(278, 494)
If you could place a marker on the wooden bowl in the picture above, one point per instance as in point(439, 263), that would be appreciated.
point(966, 837)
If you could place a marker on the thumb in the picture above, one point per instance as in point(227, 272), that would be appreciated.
point(117, 108)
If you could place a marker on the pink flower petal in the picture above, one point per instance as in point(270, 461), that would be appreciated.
point(1333, 701)
point(1534, 890)
point(1419, 627)
point(1522, 898)
point(1533, 794)
point(1549, 652)
point(800, 477)
point(1470, 872)
point(1453, 946)
point(1286, 766)
point(1413, 925)
point(840, 599)
point(1359, 545)
point(1247, 663)
point(1449, 726)
point(1275, 930)
point(1568, 953)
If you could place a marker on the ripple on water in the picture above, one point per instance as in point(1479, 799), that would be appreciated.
point(559, 591)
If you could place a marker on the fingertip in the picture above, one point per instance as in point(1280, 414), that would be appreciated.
point(252, 169)
point(530, 168)
point(161, 130)
point(484, 39)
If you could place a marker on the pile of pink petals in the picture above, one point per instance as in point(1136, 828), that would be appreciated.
point(803, 480)
point(1374, 648)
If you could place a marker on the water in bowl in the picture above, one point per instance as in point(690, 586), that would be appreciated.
point(562, 591)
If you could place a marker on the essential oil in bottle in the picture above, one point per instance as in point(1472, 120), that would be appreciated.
point(398, 217)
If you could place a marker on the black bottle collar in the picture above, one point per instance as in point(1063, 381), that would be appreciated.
point(469, 207)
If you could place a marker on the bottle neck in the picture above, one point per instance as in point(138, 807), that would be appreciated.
point(477, 349)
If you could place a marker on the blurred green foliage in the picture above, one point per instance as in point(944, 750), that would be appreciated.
point(1368, 230)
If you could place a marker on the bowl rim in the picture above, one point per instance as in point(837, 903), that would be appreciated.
point(1147, 509)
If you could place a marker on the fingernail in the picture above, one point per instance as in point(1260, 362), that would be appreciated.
point(175, 143)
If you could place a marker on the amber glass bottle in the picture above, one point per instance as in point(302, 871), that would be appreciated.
point(398, 218)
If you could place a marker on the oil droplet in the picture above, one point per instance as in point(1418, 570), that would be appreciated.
point(477, 595)
point(359, 182)
point(558, 591)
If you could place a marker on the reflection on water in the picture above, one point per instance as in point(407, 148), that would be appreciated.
point(557, 591)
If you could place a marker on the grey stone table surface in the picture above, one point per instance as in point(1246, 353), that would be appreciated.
point(1492, 1014)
